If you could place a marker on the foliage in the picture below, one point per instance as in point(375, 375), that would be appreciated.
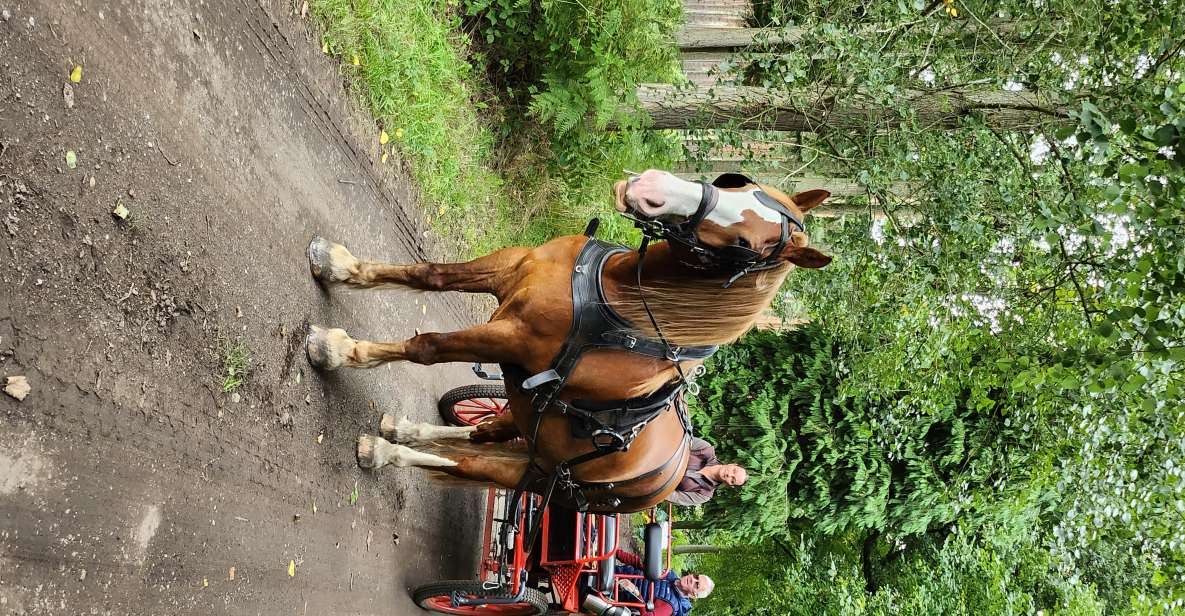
point(850, 462)
point(579, 61)
point(412, 72)
point(511, 161)
point(813, 575)
point(1031, 277)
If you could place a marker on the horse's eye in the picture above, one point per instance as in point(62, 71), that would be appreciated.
point(743, 243)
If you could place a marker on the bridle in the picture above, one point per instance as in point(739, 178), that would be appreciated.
point(739, 260)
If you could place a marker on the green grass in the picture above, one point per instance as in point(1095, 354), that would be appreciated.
point(236, 363)
point(489, 173)
point(413, 75)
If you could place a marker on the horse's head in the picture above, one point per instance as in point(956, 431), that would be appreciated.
point(731, 223)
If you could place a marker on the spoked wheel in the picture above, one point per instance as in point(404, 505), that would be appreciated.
point(472, 404)
point(438, 597)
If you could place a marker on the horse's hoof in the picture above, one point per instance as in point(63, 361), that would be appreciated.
point(327, 348)
point(328, 262)
point(387, 427)
point(366, 451)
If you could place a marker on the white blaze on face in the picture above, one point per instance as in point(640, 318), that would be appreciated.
point(658, 193)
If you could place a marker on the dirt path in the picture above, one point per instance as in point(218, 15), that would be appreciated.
point(129, 483)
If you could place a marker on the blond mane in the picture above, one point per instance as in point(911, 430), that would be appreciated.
point(695, 310)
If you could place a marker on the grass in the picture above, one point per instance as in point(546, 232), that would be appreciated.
point(408, 63)
point(489, 174)
point(236, 364)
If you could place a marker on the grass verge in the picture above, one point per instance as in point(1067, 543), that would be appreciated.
point(490, 173)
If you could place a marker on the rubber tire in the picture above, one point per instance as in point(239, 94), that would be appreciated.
point(421, 594)
point(468, 392)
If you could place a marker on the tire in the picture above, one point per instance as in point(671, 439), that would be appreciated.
point(436, 597)
point(469, 405)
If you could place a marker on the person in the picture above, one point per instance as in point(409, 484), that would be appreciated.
point(672, 594)
point(704, 474)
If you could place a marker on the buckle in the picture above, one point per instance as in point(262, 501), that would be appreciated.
point(630, 341)
point(608, 440)
point(674, 353)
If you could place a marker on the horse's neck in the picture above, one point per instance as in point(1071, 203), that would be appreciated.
point(692, 307)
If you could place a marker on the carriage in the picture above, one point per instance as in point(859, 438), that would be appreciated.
point(572, 566)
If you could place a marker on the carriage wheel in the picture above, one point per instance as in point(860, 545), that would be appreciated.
point(471, 404)
point(437, 597)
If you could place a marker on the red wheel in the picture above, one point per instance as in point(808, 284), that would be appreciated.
point(472, 404)
point(438, 597)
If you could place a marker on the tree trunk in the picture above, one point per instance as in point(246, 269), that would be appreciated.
point(669, 107)
point(696, 549)
point(729, 38)
point(719, 38)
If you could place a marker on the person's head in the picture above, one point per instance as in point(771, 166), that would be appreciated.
point(733, 474)
point(695, 585)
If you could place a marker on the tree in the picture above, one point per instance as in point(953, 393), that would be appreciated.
point(675, 107)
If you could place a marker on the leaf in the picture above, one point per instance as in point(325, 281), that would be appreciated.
point(384, 137)
point(71, 159)
point(76, 74)
point(356, 60)
point(291, 568)
point(354, 495)
point(325, 47)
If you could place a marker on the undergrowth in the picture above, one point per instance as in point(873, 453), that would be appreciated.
point(505, 133)
point(236, 363)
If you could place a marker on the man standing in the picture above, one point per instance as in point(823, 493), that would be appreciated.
point(672, 595)
point(704, 473)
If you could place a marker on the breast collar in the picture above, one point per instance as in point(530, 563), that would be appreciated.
point(736, 259)
point(595, 325)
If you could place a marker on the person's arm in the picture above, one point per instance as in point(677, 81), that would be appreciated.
point(688, 499)
point(698, 444)
point(661, 608)
point(630, 559)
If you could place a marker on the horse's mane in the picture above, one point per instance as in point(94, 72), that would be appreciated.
point(695, 310)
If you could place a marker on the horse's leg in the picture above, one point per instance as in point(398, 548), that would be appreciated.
point(332, 263)
point(405, 432)
point(377, 452)
point(497, 429)
point(493, 342)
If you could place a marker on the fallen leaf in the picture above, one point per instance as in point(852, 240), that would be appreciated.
point(384, 137)
point(76, 74)
point(424, 309)
point(325, 47)
point(231, 573)
point(399, 133)
point(71, 159)
point(120, 211)
point(442, 210)
point(292, 568)
point(319, 437)
point(357, 60)
point(314, 507)
point(384, 158)
point(205, 582)
point(17, 387)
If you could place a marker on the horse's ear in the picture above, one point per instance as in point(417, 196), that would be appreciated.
point(807, 200)
point(803, 256)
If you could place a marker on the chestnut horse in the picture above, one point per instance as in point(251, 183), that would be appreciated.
point(691, 304)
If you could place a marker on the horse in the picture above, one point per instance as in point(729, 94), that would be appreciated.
point(721, 253)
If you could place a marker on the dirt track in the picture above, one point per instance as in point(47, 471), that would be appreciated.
point(129, 483)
